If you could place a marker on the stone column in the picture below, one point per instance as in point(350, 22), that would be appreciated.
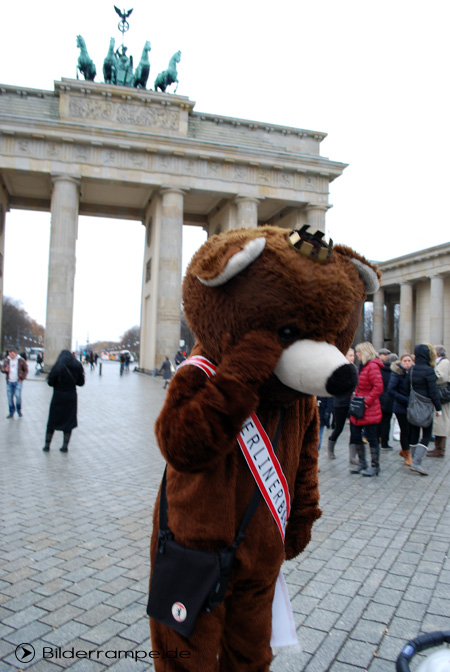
point(61, 267)
point(168, 312)
point(378, 320)
point(389, 332)
point(3, 209)
point(405, 339)
point(436, 310)
point(247, 212)
point(315, 216)
point(359, 335)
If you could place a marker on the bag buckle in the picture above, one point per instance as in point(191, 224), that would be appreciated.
point(163, 536)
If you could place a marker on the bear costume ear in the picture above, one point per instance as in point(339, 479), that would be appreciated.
point(368, 272)
point(368, 276)
point(236, 263)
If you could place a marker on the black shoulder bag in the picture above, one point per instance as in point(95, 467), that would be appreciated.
point(357, 406)
point(444, 393)
point(186, 581)
point(420, 408)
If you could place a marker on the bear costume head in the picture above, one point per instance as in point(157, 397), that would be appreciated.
point(306, 293)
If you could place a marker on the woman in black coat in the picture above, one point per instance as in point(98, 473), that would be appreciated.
point(398, 389)
point(422, 379)
point(65, 375)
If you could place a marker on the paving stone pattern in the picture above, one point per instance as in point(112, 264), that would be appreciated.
point(75, 532)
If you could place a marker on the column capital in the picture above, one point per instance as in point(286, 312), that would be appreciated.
point(318, 206)
point(61, 177)
point(173, 190)
point(247, 199)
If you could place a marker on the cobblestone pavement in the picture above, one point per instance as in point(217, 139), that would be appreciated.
point(75, 533)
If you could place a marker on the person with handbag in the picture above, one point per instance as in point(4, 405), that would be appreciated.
point(65, 375)
point(398, 389)
point(441, 425)
point(370, 386)
point(341, 405)
point(422, 382)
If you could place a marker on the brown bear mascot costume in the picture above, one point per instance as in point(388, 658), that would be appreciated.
point(273, 311)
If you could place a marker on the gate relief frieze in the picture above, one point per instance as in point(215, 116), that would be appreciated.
point(128, 114)
point(307, 186)
point(87, 108)
point(149, 117)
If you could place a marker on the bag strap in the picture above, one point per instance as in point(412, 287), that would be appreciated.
point(411, 377)
point(164, 531)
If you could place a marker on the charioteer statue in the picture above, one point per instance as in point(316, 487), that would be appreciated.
point(124, 67)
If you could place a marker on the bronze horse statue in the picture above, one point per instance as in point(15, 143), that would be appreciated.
point(168, 76)
point(85, 64)
point(143, 69)
point(109, 64)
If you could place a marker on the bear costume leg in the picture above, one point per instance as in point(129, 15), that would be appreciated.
point(202, 647)
point(248, 627)
point(234, 637)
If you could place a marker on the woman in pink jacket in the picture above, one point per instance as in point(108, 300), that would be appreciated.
point(370, 386)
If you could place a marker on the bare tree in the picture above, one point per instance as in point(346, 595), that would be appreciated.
point(130, 340)
point(18, 328)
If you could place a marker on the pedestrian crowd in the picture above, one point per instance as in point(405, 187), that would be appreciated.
point(411, 391)
point(386, 386)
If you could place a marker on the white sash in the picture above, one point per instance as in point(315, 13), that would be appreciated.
point(283, 624)
point(260, 457)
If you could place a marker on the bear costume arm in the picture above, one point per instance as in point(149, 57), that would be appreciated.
point(305, 500)
point(202, 416)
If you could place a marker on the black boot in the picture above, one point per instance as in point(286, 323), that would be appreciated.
point(330, 449)
point(353, 454)
point(360, 449)
point(48, 440)
point(65, 447)
point(374, 469)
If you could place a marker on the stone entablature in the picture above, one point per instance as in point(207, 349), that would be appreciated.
point(246, 132)
point(416, 266)
point(106, 131)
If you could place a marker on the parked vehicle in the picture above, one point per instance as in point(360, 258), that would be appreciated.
point(32, 353)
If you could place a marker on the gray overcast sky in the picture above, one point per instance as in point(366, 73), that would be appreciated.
point(374, 76)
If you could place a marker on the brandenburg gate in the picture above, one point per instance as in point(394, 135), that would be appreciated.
point(102, 149)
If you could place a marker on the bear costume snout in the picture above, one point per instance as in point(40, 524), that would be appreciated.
point(318, 368)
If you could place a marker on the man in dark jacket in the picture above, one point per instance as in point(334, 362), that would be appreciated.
point(16, 370)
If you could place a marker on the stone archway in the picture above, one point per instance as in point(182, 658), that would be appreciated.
point(100, 149)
